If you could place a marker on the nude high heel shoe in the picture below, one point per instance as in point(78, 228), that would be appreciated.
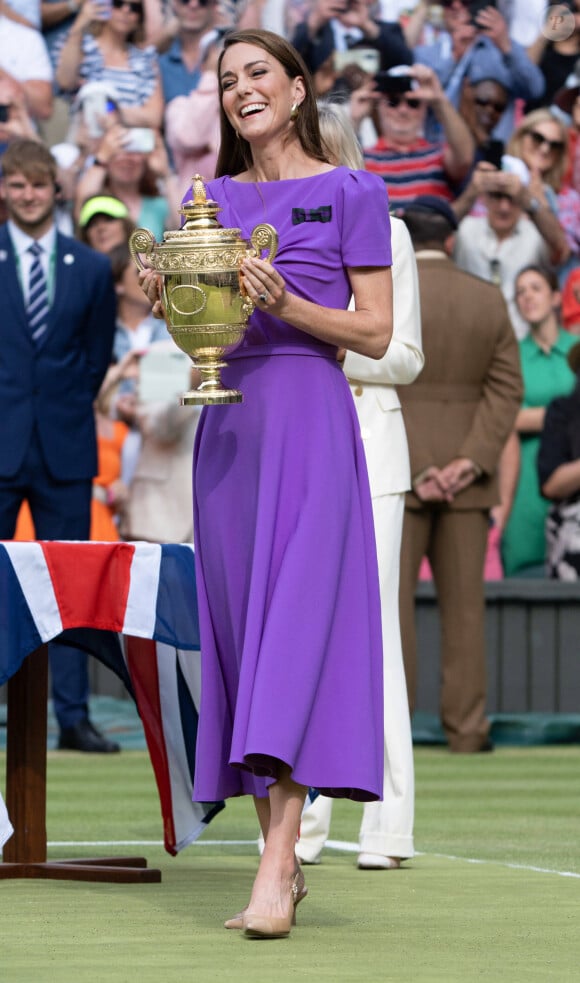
point(237, 921)
point(263, 927)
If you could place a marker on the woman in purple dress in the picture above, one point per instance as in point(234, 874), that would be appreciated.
point(285, 552)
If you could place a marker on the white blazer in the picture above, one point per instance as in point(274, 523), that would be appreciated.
point(373, 381)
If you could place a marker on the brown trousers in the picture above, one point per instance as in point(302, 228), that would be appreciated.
point(454, 541)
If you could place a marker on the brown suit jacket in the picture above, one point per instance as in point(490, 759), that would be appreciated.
point(465, 401)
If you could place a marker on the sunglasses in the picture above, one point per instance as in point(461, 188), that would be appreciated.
point(134, 7)
point(395, 100)
point(498, 107)
point(538, 139)
point(200, 3)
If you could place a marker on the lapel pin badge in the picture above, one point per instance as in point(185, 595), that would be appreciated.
point(68, 259)
point(3, 255)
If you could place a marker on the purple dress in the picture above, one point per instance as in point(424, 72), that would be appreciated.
point(285, 552)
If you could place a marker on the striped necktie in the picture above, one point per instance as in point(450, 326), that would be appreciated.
point(38, 307)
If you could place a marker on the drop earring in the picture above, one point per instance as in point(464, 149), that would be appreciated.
point(294, 110)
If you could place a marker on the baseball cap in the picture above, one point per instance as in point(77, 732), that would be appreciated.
point(433, 204)
point(102, 205)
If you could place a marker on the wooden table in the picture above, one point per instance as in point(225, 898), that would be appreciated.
point(25, 853)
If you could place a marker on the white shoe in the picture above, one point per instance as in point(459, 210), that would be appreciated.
point(377, 861)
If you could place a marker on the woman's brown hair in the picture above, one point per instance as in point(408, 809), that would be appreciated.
point(235, 154)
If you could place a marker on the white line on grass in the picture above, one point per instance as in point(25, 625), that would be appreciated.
point(343, 845)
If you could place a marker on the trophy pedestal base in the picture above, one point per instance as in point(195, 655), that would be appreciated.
point(209, 397)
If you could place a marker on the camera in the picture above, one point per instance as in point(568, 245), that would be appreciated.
point(387, 83)
point(141, 140)
point(492, 152)
point(475, 8)
point(367, 59)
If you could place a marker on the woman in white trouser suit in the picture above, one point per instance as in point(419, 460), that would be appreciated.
point(386, 833)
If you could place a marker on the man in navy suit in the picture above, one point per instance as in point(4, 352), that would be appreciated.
point(56, 332)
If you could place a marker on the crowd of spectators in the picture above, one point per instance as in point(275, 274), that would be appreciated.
point(475, 103)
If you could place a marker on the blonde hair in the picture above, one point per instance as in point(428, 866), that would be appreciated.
point(338, 136)
point(556, 172)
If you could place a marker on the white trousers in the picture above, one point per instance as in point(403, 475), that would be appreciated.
point(387, 826)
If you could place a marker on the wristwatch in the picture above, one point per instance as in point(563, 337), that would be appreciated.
point(533, 206)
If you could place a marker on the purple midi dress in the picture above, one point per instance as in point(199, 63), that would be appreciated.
point(284, 540)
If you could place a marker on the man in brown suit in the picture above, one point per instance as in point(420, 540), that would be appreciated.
point(458, 415)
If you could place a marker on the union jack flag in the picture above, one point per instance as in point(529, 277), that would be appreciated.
point(134, 607)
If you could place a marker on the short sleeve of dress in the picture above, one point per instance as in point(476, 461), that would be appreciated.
point(366, 230)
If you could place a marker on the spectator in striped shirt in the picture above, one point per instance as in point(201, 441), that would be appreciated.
point(105, 44)
point(409, 164)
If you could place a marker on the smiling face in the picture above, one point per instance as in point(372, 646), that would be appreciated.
point(535, 298)
point(257, 95)
point(29, 200)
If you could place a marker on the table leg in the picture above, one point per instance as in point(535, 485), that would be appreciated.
point(24, 854)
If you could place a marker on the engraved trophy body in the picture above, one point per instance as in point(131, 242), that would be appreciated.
point(206, 309)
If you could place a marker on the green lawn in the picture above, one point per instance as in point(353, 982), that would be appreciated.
point(485, 898)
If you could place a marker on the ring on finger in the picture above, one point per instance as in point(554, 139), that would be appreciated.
point(263, 297)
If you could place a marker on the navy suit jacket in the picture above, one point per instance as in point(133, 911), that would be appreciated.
point(52, 385)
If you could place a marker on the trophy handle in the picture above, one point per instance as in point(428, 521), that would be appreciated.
point(141, 241)
point(264, 236)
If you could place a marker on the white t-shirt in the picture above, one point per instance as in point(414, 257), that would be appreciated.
point(23, 52)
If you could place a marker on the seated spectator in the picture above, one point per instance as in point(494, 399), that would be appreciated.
point(331, 26)
point(517, 230)
point(484, 100)
point(541, 141)
point(103, 46)
point(482, 48)
point(546, 374)
point(24, 59)
point(104, 223)
point(409, 164)
point(194, 149)
point(190, 32)
point(142, 180)
point(555, 50)
point(559, 475)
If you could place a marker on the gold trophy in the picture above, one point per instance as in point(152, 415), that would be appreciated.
point(207, 310)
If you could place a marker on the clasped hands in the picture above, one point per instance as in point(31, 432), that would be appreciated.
point(443, 484)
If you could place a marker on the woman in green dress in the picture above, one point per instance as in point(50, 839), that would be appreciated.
point(546, 375)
